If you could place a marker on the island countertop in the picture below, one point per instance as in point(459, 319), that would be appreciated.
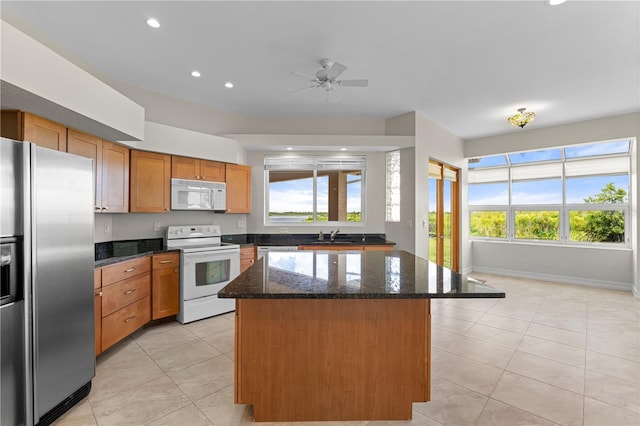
point(325, 274)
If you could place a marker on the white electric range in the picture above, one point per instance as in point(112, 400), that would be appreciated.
point(207, 265)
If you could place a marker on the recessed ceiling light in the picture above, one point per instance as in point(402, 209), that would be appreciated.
point(153, 22)
point(228, 85)
point(288, 148)
point(343, 149)
point(556, 2)
point(195, 74)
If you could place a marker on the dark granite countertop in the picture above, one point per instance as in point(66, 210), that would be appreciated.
point(304, 239)
point(325, 274)
point(110, 252)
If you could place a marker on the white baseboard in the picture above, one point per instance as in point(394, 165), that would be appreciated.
point(611, 285)
point(635, 292)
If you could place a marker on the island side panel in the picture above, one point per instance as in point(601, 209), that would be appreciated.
point(332, 359)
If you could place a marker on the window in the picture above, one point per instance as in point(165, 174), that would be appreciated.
point(314, 189)
point(393, 186)
point(575, 194)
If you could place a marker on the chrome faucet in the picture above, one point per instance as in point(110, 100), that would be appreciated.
point(333, 234)
point(320, 235)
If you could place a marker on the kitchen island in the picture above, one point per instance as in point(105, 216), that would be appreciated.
point(338, 335)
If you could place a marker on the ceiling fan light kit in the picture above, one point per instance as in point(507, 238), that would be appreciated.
point(327, 79)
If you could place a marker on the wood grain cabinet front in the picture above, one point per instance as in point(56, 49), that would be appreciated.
point(125, 321)
point(126, 299)
point(238, 188)
point(165, 283)
point(97, 309)
point(110, 167)
point(247, 257)
point(197, 169)
point(149, 182)
point(23, 126)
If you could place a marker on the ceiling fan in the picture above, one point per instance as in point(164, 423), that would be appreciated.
point(326, 78)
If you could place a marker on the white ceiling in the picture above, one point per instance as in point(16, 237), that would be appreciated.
point(465, 65)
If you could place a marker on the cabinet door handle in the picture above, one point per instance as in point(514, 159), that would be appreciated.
point(175, 270)
point(105, 208)
point(100, 294)
point(98, 208)
point(129, 291)
point(166, 261)
point(130, 269)
point(129, 319)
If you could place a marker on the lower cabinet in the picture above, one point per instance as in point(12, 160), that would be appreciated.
point(247, 257)
point(165, 285)
point(129, 294)
point(125, 321)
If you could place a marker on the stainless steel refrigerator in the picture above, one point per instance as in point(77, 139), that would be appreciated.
point(47, 255)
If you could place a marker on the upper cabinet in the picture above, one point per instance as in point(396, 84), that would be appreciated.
point(196, 169)
point(91, 147)
point(115, 178)
point(23, 126)
point(110, 167)
point(238, 188)
point(150, 182)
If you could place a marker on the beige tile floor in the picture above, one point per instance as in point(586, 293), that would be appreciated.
point(547, 354)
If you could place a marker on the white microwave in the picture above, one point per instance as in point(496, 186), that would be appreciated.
point(198, 195)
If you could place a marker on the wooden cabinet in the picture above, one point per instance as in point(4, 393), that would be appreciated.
point(97, 310)
point(247, 257)
point(111, 170)
point(150, 182)
point(197, 169)
point(115, 178)
point(165, 282)
point(379, 247)
point(126, 300)
point(238, 188)
point(24, 126)
point(91, 147)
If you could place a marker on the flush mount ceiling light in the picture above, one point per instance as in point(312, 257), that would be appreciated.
point(228, 85)
point(153, 23)
point(289, 148)
point(195, 74)
point(522, 118)
point(556, 2)
point(343, 149)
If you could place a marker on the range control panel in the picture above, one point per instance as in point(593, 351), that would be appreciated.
point(193, 231)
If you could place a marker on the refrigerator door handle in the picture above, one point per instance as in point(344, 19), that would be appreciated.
point(5, 259)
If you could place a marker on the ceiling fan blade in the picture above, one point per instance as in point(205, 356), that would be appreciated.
point(299, 74)
point(335, 70)
point(304, 88)
point(354, 83)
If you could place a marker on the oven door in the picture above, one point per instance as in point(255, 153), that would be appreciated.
point(205, 273)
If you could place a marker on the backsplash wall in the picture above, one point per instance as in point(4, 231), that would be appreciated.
point(127, 226)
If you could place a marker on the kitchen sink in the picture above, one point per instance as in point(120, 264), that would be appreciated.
point(335, 241)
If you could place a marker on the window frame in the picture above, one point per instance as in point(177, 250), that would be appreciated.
point(320, 162)
point(564, 208)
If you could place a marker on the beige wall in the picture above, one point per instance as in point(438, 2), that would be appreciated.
point(617, 267)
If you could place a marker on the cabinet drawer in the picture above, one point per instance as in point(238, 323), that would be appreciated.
point(122, 270)
point(120, 324)
point(123, 293)
point(166, 260)
point(97, 278)
point(246, 252)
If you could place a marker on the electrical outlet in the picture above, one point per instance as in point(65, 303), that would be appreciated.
point(107, 228)
point(156, 226)
point(284, 230)
point(240, 224)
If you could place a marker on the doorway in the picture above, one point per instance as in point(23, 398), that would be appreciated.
point(444, 215)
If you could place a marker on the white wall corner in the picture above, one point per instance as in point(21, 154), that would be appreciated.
point(53, 87)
